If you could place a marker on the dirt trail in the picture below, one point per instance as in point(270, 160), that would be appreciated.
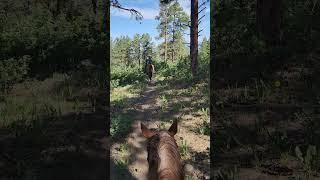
point(145, 111)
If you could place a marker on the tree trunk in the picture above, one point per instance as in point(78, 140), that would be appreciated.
point(106, 23)
point(194, 37)
point(139, 56)
point(58, 7)
point(268, 20)
point(165, 40)
point(94, 6)
point(28, 7)
point(173, 40)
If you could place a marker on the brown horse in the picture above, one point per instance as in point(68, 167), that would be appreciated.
point(163, 154)
point(149, 70)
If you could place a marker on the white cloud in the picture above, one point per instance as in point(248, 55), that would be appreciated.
point(147, 13)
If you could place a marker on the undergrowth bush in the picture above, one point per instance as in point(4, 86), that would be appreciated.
point(54, 42)
point(121, 76)
point(119, 125)
point(179, 70)
point(12, 71)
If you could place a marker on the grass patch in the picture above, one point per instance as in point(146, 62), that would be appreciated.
point(204, 128)
point(28, 109)
point(184, 149)
point(120, 125)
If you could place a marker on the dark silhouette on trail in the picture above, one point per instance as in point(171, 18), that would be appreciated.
point(149, 68)
point(149, 71)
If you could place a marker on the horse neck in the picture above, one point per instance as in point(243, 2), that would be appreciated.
point(169, 166)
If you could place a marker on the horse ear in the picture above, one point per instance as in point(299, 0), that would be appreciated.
point(173, 128)
point(147, 133)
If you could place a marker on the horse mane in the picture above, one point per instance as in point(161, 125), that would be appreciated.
point(164, 157)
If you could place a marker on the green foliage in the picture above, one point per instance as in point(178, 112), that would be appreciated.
point(204, 128)
point(235, 32)
point(120, 51)
point(13, 71)
point(122, 75)
point(204, 58)
point(184, 149)
point(15, 112)
point(204, 51)
point(172, 23)
point(54, 42)
point(179, 70)
point(311, 159)
point(147, 46)
point(164, 101)
point(131, 52)
point(119, 125)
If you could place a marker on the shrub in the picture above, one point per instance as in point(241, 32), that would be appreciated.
point(121, 76)
point(12, 71)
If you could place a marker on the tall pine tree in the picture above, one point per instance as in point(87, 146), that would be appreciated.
point(172, 20)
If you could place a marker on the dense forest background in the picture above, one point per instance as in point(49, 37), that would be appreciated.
point(53, 89)
point(265, 89)
point(42, 37)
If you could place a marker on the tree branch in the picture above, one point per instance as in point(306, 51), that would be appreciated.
point(201, 17)
point(116, 4)
point(202, 9)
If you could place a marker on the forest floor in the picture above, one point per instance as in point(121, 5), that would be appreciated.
point(50, 129)
point(267, 127)
point(156, 105)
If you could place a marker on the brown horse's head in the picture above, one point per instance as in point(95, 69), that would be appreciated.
point(163, 154)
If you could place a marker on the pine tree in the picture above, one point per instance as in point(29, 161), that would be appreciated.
point(121, 50)
point(163, 27)
point(172, 20)
point(136, 43)
point(204, 51)
point(178, 18)
point(147, 46)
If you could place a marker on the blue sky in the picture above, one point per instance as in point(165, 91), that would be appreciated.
point(122, 23)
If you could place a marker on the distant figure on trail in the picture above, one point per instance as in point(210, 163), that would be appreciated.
point(149, 61)
point(149, 68)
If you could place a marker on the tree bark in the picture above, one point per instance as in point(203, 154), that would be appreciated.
point(94, 6)
point(139, 55)
point(194, 37)
point(173, 40)
point(165, 39)
point(106, 10)
point(58, 8)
